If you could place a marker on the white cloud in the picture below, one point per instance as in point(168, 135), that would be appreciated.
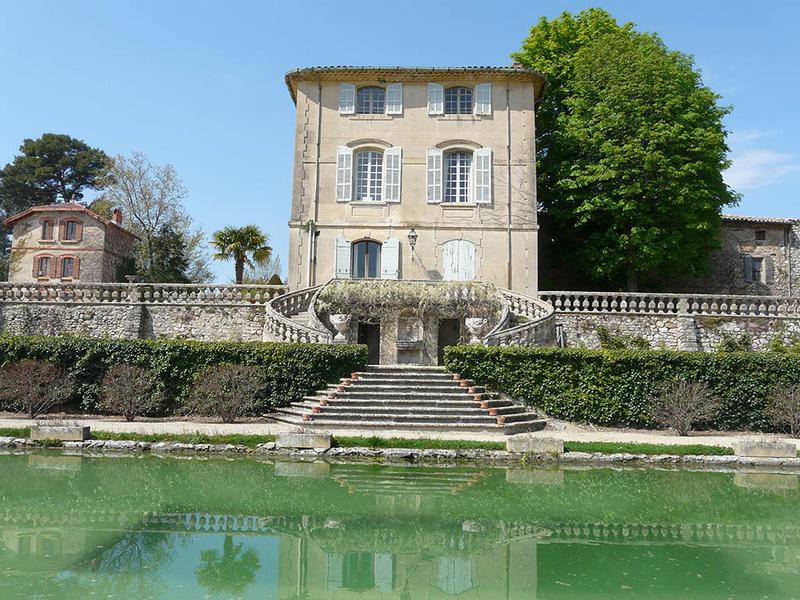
point(754, 163)
point(759, 167)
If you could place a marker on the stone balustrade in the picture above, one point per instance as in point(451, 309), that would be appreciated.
point(707, 305)
point(537, 328)
point(280, 327)
point(148, 293)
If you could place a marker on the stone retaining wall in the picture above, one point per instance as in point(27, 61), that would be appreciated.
point(674, 321)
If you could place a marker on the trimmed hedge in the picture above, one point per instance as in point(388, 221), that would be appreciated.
point(292, 370)
point(614, 387)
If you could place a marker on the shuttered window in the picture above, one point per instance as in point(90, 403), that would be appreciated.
point(435, 99)
point(371, 100)
point(344, 174)
point(458, 101)
point(43, 267)
point(366, 260)
point(67, 267)
point(394, 99)
point(392, 164)
point(483, 99)
point(482, 175)
point(458, 260)
point(434, 175)
point(369, 175)
point(342, 258)
point(347, 98)
point(390, 259)
point(458, 168)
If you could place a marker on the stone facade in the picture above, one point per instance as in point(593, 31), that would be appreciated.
point(489, 234)
point(68, 243)
point(758, 256)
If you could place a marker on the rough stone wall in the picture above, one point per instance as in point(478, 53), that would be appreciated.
point(131, 321)
point(119, 246)
point(780, 252)
point(674, 332)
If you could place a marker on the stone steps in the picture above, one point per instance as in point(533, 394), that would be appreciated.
point(409, 398)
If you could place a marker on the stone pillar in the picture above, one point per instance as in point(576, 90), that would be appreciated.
point(687, 328)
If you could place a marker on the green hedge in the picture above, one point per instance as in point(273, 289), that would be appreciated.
point(292, 370)
point(614, 387)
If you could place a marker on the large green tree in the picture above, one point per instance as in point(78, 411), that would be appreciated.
point(631, 150)
point(246, 246)
point(54, 168)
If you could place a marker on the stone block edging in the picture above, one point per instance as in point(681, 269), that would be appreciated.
point(407, 454)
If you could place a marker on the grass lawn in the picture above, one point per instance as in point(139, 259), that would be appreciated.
point(618, 448)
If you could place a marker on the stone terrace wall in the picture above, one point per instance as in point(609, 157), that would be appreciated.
point(199, 312)
point(674, 321)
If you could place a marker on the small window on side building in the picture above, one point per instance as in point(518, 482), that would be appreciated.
point(761, 237)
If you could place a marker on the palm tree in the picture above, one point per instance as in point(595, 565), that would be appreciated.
point(245, 245)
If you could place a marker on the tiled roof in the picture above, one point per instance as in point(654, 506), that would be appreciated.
point(66, 207)
point(765, 220)
point(295, 74)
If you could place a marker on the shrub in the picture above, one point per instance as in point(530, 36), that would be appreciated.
point(292, 370)
point(616, 387)
point(611, 341)
point(34, 386)
point(783, 408)
point(731, 343)
point(130, 391)
point(227, 392)
point(683, 404)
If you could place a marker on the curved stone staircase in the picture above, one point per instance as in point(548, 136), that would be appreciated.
point(524, 320)
point(410, 397)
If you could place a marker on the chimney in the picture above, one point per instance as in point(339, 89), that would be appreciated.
point(116, 216)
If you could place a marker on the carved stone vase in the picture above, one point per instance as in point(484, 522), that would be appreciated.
point(475, 326)
point(341, 322)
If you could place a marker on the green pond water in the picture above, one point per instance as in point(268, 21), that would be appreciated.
point(187, 528)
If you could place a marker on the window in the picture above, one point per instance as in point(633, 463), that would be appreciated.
point(371, 101)
point(757, 273)
point(67, 267)
point(458, 260)
point(47, 230)
point(369, 175)
point(457, 176)
point(761, 237)
point(71, 231)
point(458, 101)
point(43, 267)
point(366, 260)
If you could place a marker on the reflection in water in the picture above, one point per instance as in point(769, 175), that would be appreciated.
point(179, 529)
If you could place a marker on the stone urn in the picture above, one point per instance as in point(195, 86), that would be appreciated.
point(475, 326)
point(340, 322)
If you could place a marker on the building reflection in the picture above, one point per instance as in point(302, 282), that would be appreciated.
point(398, 542)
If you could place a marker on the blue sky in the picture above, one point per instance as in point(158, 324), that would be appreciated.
point(199, 84)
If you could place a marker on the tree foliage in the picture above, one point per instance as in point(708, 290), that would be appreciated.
point(631, 149)
point(246, 246)
point(53, 168)
point(151, 198)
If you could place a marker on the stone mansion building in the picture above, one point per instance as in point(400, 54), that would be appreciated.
point(414, 173)
point(62, 243)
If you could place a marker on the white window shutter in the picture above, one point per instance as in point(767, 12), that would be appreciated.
point(344, 174)
point(483, 99)
point(482, 176)
point(466, 261)
point(769, 270)
point(347, 99)
point(392, 166)
point(435, 99)
point(390, 259)
point(394, 99)
point(384, 573)
point(434, 175)
point(342, 255)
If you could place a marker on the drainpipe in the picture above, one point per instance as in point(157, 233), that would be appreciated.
point(788, 239)
point(311, 268)
point(509, 284)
